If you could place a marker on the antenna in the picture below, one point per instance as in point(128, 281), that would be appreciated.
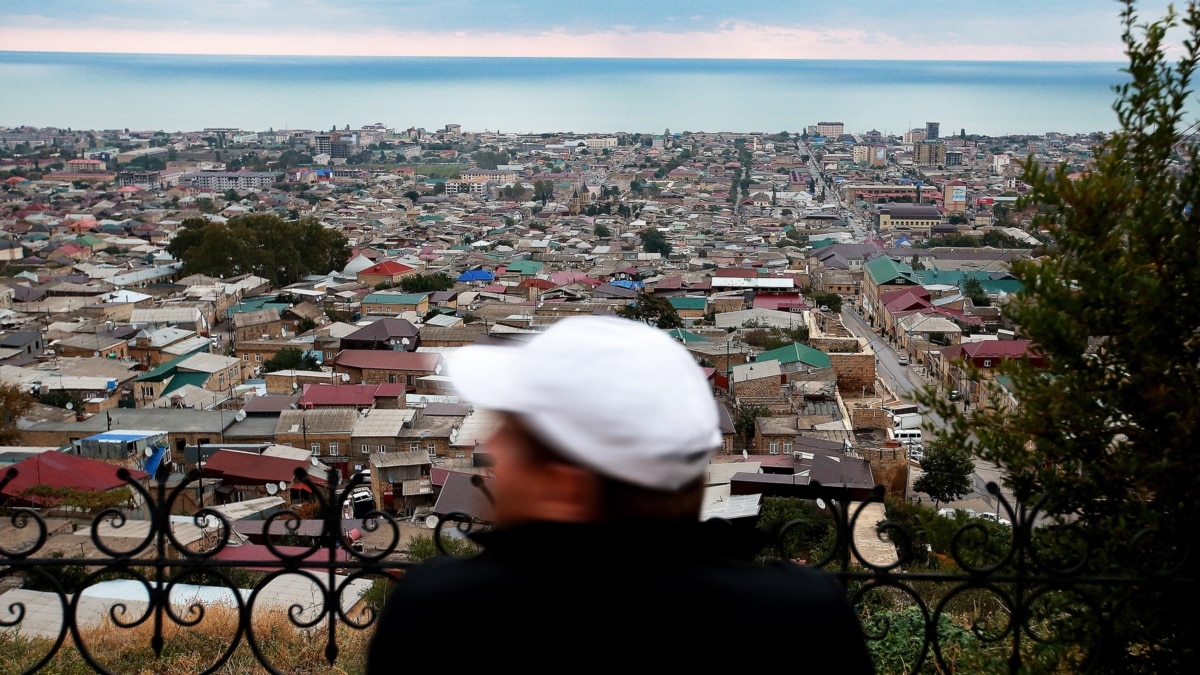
point(241, 415)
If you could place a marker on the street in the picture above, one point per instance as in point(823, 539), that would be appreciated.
point(902, 381)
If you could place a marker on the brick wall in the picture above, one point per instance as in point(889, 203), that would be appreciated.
point(763, 386)
point(870, 418)
point(890, 468)
point(854, 371)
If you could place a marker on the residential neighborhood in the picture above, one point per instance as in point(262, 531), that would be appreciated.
point(273, 309)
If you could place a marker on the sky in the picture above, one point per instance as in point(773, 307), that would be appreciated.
point(984, 30)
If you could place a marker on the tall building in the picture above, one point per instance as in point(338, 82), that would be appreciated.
point(929, 153)
point(933, 130)
point(831, 129)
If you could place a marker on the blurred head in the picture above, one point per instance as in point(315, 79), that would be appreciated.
point(534, 482)
point(607, 416)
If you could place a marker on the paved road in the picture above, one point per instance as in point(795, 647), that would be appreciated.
point(902, 381)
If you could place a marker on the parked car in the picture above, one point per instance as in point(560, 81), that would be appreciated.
point(916, 453)
point(950, 513)
point(953, 395)
point(995, 518)
point(902, 359)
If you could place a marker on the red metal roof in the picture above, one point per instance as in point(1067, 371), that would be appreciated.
point(348, 394)
point(247, 468)
point(388, 267)
point(388, 360)
point(62, 470)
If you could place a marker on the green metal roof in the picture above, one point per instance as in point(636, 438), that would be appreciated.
point(684, 336)
point(394, 298)
point(688, 303)
point(797, 352)
point(184, 379)
point(163, 371)
point(525, 266)
point(885, 270)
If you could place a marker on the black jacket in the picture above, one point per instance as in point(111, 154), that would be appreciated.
point(563, 596)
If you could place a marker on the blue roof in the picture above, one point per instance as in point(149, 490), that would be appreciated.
point(622, 283)
point(476, 275)
point(124, 436)
point(155, 459)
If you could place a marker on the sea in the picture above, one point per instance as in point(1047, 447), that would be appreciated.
point(540, 95)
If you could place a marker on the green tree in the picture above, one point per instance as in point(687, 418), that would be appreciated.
point(543, 190)
point(14, 403)
point(486, 159)
point(654, 241)
point(291, 358)
point(973, 289)
point(261, 244)
point(601, 231)
point(947, 472)
point(1105, 431)
point(425, 283)
point(652, 310)
point(745, 420)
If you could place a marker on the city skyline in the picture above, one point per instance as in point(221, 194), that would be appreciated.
point(1023, 30)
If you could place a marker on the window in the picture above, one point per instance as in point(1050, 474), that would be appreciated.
point(391, 378)
point(987, 363)
point(316, 449)
point(245, 357)
point(432, 450)
point(333, 449)
point(787, 447)
point(258, 358)
point(364, 449)
point(410, 380)
point(147, 391)
point(413, 447)
point(774, 450)
point(383, 448)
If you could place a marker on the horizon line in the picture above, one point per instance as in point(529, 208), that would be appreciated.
point(551, 57)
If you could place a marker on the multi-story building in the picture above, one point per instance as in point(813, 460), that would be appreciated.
point(933, 131)
point(929, 153)
point(220, 181)
point(831, 129)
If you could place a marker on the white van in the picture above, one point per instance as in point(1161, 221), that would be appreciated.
point(908, 436)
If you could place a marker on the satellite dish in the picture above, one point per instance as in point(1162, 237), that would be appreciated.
point(95, 353)
point(312, 460)
point(149, 451)
point(820, 503)
point(272, 488)
point(70, 406)
point(283, 485)
point(437, 370)
point(431, 522)
point(745, 456)
point(241, 415)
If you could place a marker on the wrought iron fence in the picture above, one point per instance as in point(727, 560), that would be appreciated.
point(1032, 609)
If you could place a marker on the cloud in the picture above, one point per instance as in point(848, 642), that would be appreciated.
point(732, 39)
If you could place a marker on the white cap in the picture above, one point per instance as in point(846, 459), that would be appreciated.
point(614, 395)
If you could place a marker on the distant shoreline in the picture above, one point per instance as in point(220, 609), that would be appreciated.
point(532, 94)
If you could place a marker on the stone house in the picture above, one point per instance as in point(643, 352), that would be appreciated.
point(260, 324)
point(390, 367)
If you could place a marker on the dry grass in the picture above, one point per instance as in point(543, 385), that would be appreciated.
point(191, 650)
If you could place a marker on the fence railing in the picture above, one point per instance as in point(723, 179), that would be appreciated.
point(998, 598)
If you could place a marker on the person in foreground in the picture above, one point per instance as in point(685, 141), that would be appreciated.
point(598, 555)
